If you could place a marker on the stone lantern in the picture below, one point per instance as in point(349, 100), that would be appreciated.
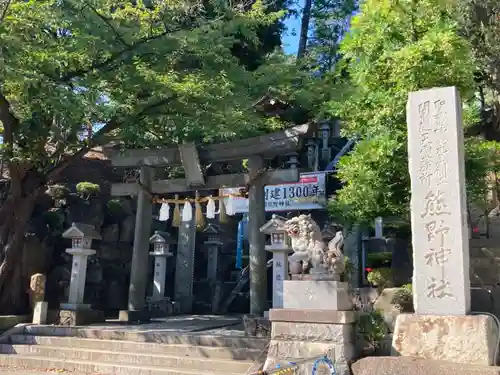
point(81, 236)
point(311, 145)
point(293, 160)
point(161, 245)
point(280, 247)
point(213, 244)
point(325, 137)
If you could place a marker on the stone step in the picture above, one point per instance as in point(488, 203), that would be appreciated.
point(90, 367)
point(129, 358)
point(156, 336)
point(140, 347)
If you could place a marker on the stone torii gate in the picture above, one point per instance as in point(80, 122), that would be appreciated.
point(192, 157)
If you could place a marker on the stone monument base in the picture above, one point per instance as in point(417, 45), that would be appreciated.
point(159, 308)
point(306, 333)
point(40, 312)
point(316, 294)
point(80, 317)
point(134, 316)
point(470, 339)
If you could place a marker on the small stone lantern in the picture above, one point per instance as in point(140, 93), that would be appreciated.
point(280, 247)
point(293, 160)
point(81, 236)
point(311, 152)
point(213, 244)
point(325, 137)
point(161, 245)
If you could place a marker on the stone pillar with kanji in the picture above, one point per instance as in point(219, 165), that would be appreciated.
point(442, 327)
point(279, 246)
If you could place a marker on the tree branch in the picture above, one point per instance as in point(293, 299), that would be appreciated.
point(4, 9)
point(109, 61)
point(114, 57)
point(58, 168)
point(98, 137)
point(110, 26)
point(131, 48)
point(9, 120)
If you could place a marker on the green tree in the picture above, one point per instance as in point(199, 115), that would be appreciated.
point(146, 71)
point(480, 24)
point(482, 168)
point(323, 25)
point(330, 22)
point(394, 47)
point(253, 55)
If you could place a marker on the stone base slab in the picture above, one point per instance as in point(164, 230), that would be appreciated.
point(75, 306)
point(256, 326)
point(134, 316)
point(279, 351)
point(312, 316)
point(316, 277)
point(416, 366)
point(159, 309)
point(470, 339)
point(314, 294)
point(81, 317)
point(300, 333)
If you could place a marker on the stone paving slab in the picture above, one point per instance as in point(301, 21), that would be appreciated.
point(233, 330)
point(416, 366)
point(176, 325)
point(180, 324)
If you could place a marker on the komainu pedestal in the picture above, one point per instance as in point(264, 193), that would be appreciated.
point(317, 319)
point(317, 294)
point(305, 333)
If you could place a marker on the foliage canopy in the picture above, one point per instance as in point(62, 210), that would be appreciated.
point(394, 47)
point(145, 71)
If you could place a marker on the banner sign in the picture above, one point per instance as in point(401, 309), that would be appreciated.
point(309, 193)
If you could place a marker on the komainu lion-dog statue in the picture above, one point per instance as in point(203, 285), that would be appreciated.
point(306, 240)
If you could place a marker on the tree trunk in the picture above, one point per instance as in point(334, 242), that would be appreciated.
point(13, 297)
point(304, 29)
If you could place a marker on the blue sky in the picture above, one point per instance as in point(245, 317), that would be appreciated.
point(290, 41)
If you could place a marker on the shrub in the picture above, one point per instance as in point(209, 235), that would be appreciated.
point(371, 326)
point(115, 208)
point(403, 300)
point(57, 191)
point(378, 260)
point(53, 219)
point(380, 277)
point(87, 189)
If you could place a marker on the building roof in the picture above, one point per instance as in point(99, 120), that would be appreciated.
point(81, 230)
point(161, 237)
point(276, 224)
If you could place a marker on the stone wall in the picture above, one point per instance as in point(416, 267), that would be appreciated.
point(485, 275)
point(44, 250)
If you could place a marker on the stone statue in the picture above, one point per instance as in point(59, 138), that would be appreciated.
point(308, 246)
point(37, 288)
point(334, 257)
point(306, 240)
